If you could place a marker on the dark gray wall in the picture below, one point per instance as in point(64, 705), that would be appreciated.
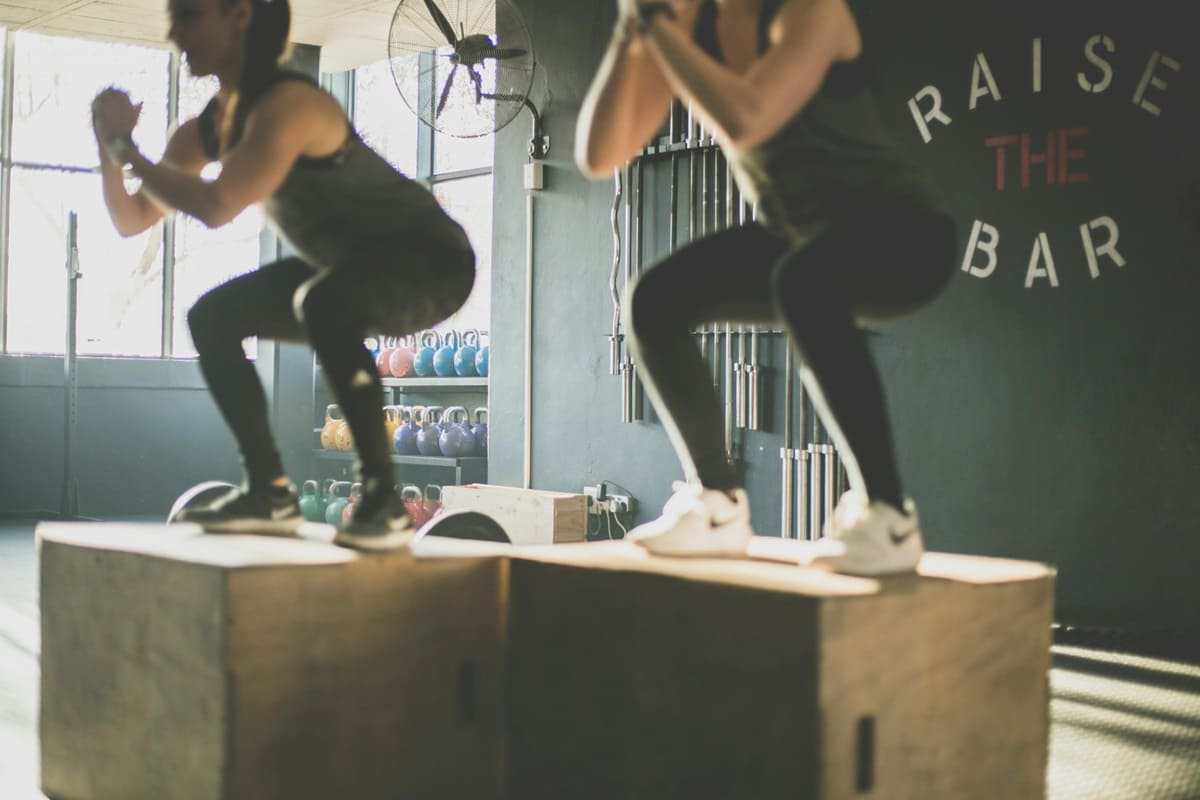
point(1054, 424)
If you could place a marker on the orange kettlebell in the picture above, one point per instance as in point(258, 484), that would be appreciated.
point(355, 499)
point(329, 431)
point(400, 361)
point(342, 437)
point(383, 359)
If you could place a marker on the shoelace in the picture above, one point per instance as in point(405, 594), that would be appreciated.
point(686, 498)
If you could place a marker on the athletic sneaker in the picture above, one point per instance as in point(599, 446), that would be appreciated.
point(274, 511)
point(872, 539)
point(698, 522)
point(379, 522)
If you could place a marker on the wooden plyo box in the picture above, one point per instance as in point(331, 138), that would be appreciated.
point(177, 665)
point(529, 516)
point(654, 678)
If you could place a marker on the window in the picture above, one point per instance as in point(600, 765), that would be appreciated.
point(390, 127)
point(51, 173)
point(207, 258)
point(469, 200)
point(53, 170)
point(120, 291)
point(382, 119)
point(54, 81)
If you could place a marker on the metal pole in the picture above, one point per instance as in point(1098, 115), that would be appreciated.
point(70, 497)
point(827, 481)
point(614, 339)
point(6, 122)
point(527, 455)
point(814, 491)
point(635, 269)
point(787, 455)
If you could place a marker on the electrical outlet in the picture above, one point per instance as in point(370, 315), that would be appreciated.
point(616, 503)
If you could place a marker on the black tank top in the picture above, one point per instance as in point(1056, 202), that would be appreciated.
point(350, 205)
point(831, 158)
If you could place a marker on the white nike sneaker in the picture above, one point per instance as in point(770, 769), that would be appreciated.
point(698, 522)
point(871, 539)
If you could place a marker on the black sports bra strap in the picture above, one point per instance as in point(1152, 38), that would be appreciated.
point(706, 27)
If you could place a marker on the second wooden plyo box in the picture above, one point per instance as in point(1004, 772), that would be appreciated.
point(529, 516)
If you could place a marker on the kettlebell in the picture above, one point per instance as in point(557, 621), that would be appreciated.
point(423, 364)
point(430, 433)
point(355, 499)
point(443, 359)
point(456, 440)
point(404, 442)
point(310, 501)
point(373, 344)
point(342, 437)
point(464, 359)
point(326, 496)
point(401, 360)
point(433, 502)
point(480, 430)
point(333, 512)
point(391, 421)
point(481, 360)
point(413, 504)
point(383, 357)
point(329, 431)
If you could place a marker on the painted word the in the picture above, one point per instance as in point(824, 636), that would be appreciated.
point(1055, 157)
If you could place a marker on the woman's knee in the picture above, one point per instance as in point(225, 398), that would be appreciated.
point(315, 303)
point(207, 319)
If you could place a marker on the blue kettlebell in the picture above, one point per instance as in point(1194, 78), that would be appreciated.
point(430, 433)
point(443, 360)
point(405, 440)
point(373, 344)
point(481, 361)
point(456, 440)
point(480, 430)
point(464, 359)
point(333, 511)
point(423, 363)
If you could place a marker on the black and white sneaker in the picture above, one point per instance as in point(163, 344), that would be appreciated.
point(380, 521)
point(274, 511)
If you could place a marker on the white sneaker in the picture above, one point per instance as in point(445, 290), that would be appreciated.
point(698, 522)
point(872, 539)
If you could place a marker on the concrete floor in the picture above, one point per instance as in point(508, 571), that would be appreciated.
point(1123, 727)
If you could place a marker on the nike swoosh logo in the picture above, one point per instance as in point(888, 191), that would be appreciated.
point(900, 538)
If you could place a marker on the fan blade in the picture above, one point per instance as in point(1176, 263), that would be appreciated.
point(507, 52)
point(446, 92)
point(477, 79)
point(442, 23)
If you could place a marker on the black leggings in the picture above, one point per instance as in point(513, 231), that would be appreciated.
point(334, 310)
point(879, 266)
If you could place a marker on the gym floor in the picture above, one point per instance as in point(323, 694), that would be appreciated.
point(1123, 726)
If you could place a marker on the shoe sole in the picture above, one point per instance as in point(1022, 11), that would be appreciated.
point(376, 543)
point(264, 527)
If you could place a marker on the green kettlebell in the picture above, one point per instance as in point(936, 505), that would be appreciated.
point(341, 493)
point(310, 501)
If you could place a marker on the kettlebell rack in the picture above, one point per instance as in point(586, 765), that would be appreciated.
point(704, 199)
point(453, 391)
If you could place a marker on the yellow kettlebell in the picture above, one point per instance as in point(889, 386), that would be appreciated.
point(391, 421)
point(333, 415)
point(343, 439)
